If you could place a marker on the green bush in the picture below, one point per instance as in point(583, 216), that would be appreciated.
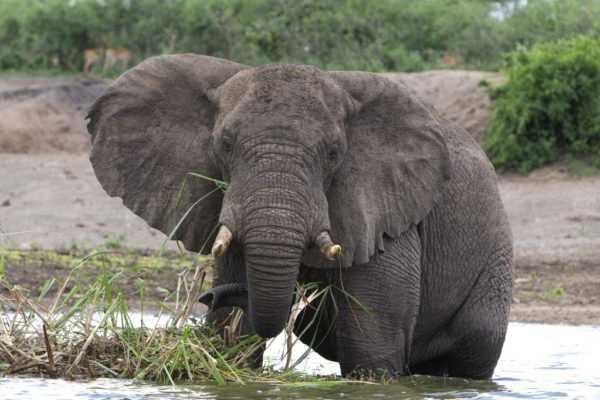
point(383, 35)
point(549, 105)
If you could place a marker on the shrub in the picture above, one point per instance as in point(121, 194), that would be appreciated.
point(549, 105)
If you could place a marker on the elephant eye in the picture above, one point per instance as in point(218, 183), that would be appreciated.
point(226, 146)
point(332, 155)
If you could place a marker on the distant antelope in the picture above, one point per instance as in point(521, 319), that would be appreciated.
point(453, 59)
point(92, 56)
point(117, 55)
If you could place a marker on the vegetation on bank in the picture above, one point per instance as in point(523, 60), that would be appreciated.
point(384, 35)
point(548, 108)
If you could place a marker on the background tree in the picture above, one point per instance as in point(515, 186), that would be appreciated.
point(383, 35)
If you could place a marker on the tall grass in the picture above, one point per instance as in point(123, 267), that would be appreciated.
point(86, 331)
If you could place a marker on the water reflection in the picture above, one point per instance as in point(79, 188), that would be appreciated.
point(415, 387)
point(538, 361)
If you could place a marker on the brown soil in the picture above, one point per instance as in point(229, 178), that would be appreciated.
point(50, 199)
point(455, 94)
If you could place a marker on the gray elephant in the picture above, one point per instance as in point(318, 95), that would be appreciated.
point(338, 178)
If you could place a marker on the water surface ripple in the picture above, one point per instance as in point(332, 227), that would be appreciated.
point(538, 362)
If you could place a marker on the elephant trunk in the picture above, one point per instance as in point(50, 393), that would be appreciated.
point(275, 236)
point(274, 212)
point(271, 270)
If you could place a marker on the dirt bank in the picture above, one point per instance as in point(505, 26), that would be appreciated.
point(50, 199)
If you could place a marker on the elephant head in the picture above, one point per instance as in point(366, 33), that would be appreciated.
point(312, 159)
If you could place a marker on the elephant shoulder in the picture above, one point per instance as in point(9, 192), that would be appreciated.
point(466, 155)
point(473, 183)
point(470, 209)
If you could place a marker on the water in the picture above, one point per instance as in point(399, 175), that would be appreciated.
point(538, 362)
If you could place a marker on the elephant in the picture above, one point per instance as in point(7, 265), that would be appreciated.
point(339, 178)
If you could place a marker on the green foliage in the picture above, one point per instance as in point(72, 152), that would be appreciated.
point(581, 167)
point(550, 20)
point(549, 105)
point(334, 34)
point(383, 35)
point(554, 293)
point(113, 242)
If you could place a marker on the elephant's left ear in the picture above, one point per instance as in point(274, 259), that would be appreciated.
point(395, 168)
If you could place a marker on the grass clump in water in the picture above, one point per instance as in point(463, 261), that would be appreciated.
point(85, 331)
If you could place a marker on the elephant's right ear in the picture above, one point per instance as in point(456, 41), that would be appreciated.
point(149, 129)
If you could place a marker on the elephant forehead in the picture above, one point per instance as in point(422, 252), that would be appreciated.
point(306, 79)
point(285, 90)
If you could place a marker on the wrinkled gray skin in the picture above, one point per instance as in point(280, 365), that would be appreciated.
point(411, 199)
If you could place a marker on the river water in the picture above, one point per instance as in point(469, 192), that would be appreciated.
point(538, 362)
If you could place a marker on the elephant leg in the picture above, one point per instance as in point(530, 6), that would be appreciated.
point(389, 288)
point(437, 367)
point(479, 327)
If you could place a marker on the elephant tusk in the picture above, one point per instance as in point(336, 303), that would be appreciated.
point(221, 242)
point(330, 250)
point(334, 252)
